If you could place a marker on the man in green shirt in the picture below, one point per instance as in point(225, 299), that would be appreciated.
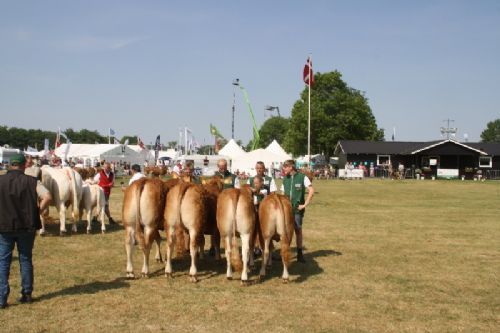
point(294, 187)
point(230, 180)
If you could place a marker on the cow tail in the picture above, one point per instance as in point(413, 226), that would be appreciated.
point(139, 229)
point(286, 238)
point(236, 261)
point(179, 228)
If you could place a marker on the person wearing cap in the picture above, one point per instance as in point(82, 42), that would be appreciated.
point(294, 187)
point(19, 221)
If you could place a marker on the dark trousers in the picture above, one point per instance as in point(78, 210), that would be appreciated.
point(24, 242)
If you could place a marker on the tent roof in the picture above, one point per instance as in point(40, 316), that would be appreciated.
point(274, 147)
point(231, 149)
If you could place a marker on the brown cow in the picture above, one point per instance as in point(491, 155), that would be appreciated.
point(184, 208)
point(236, 215)
point(213, 188)
point(276, 218)
point(143, 209)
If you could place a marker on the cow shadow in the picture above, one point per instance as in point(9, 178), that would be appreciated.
point(52, 228)
point(87, 288)
point(303, 270)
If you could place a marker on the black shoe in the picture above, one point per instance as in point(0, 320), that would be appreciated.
point(111, 221)
point(3, 305)
point(300, 256)
point(25, 299)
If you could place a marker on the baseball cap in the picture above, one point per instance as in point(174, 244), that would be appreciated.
point(18, 159)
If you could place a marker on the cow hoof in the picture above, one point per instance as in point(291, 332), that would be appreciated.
point(229, 278)
point(145, 275)
point(261, 277)
point(63, 233)
point(130, 276)
point(285, 281)
point(42, 233)
point(245, 283)
point(103, 232)
point(193, 278)
point(88, 232)
point(168, 275)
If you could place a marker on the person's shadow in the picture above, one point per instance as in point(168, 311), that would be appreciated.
point(87, 288)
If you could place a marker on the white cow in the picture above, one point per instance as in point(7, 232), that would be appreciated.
point(92, 197)
point(65, 186)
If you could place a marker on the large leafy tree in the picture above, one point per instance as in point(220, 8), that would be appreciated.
point(275, 128)
point(492, 132)
point(337, 112)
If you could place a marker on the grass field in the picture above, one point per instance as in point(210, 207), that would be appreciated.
point(382, 256)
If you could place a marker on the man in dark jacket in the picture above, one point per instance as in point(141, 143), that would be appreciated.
point(19, 221)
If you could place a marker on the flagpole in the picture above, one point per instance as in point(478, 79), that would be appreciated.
point(309, 114)
point(109, 135)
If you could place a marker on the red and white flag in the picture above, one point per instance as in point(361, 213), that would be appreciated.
point(140, 143)
point(58, 138)
point(308, 72)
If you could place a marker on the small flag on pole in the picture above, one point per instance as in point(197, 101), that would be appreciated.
point(157, 147)
point(140, 143)
point(308, 74)
point(111, 132)
point(115, 141)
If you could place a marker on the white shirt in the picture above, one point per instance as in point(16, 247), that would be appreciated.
point(135, 177)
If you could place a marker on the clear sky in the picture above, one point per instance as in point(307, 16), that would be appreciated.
point(151, 67)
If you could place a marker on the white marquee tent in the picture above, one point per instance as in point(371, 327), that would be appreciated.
point(246, 162)
point(231, 149)
point(108, 152)
point(274, 147)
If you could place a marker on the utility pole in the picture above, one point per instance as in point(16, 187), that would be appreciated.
point(449, 130)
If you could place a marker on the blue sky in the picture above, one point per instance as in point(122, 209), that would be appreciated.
point(151, 67)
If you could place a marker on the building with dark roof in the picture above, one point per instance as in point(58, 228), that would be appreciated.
point(444, 158)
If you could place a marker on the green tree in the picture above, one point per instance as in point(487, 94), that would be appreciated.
point(492, 132)
point(132, 140)
point(275, 128)
point(337, 112)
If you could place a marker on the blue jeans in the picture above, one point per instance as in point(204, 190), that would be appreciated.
point(24, 241)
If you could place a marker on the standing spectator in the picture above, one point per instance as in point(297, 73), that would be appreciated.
point(19, 221)
point(136, 175)
point(294, 187)
point(106, 179)
point(269, 185)
point(230, 180)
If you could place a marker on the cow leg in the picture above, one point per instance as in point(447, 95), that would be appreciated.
point(101, 217)
point(43, 218)
point(158, 248)
point(245, 254)
point(148, 233)
point(62, 219)
point(129, 246)
point(192, 251)
point(216, 243)
point(265, 257)
point(89, 220)
point(170, 250)
point(201, 247)
point(229, 272)
point(73, 217)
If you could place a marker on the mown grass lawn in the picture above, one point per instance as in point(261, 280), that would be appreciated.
point(382, 256)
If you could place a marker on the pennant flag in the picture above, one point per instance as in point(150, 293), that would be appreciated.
point(58, 138)
point(308, 73)
point(115, 141)
point(215, 132)
point(393, 133)
point(140, 143)
point(157, 146)
point(111, 132)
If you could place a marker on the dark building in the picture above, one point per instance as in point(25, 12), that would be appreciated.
point(445, 158)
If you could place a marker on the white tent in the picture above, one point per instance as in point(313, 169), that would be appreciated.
point(108, 152)
point(6, 153)
point(246, 162)
point(231, 149)
point(274, 147)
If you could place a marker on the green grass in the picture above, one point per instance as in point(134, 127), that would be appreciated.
point(383, 256)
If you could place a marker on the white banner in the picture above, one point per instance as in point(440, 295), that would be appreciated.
point(447, 173)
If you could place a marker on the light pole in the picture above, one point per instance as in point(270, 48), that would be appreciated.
point(236, 82)
point(272, 108)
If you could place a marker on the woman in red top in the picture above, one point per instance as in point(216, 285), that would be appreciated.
point(106, 179)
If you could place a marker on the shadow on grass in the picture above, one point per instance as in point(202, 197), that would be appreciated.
point(52, 228)
point(310, 267)
point(207, 267)
point(87, 288)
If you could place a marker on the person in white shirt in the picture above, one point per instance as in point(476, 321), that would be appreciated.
point(136, 175)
